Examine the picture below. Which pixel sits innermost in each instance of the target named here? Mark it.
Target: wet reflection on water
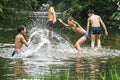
(87, 68)
(19, 69)
(33, 67)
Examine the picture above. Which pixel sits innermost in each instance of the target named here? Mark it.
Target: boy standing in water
(77, 28)
(95, 22)
(51, 18)
(20, 40)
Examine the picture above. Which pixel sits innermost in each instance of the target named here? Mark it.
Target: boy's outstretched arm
(76, 23)
(60, 20)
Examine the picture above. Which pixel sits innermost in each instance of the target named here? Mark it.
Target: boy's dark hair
(90, 11)
(50, 3)
(20, 28)
(70, 18)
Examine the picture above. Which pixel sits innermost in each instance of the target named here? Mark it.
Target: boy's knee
(97, 39)
(76, 44)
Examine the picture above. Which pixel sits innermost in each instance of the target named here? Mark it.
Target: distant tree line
(11, 12)
(109, 10)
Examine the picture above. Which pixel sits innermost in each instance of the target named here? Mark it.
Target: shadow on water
(43, 53)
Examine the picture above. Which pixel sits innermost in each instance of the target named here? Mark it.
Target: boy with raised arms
(75, 26)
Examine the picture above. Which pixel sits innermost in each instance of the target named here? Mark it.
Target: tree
(115, 18)
(78, 9)
(12, 11)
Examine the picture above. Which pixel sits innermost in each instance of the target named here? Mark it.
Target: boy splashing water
(19, 41)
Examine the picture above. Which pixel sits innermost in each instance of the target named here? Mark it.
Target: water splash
(43, 8)
(41, 44)
(43, 48)
(61, 48)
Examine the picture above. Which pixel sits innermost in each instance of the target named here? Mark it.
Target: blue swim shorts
(96, 30)
(86, 35)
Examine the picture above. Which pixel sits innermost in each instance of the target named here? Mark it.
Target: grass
(58, 75)
(111, 73)
(62, 76)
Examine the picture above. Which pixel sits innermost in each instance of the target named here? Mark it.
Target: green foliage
(78, 9)
(107, 9)
(15, 12)
(115, 18)
(1, 8)
(60, 6)
(62, 76)
(58, 75)
(111, 73)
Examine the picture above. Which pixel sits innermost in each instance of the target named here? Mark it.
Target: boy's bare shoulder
(89, 18)
(19, 36)
(97, 15)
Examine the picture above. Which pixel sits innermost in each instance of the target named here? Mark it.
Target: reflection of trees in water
(78, 65)
(4, 69)
(19, 69)
(87, 68)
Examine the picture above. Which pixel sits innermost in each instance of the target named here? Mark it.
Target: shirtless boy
(77, 28)
(20, 40)
(95, 22)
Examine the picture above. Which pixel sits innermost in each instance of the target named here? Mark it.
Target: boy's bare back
(94, 20)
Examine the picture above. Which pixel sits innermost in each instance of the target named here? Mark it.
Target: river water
(42, 54)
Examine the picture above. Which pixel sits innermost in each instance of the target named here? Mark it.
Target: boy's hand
(54, 22)
(30, 38)
(60, 20)
(106, 33)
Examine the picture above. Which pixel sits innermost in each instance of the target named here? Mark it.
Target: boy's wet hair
(50, 3)
(70, 18)
(90, 11)
(20, 28)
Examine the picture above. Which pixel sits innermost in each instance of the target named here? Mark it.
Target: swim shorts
(50, 26)
(15, 53)
(86, 35)
(96, 30)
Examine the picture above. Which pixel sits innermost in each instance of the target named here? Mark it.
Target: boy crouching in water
(19, 41)
(77, 28)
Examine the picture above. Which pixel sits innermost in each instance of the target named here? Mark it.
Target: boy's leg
(47, 33)
(92, 41)
(79, 43)
(50, 27)
(51, 32)
(98, 41)
(51, 36)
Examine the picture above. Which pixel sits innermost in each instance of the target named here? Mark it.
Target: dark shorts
(15, 53)
(96, 30)
(50, 26)
(86, 35)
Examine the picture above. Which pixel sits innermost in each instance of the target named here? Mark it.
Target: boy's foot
(81, 51)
